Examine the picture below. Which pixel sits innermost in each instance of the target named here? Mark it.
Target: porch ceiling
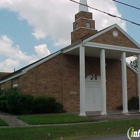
(111, 53)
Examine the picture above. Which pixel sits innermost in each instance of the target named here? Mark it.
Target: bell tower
(84, 25)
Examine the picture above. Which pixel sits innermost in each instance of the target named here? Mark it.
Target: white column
(124, 83)
(103, 81)
(139, 79)
(82, 80)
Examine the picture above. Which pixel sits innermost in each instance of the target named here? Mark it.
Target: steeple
(82, 7)
(84, 25)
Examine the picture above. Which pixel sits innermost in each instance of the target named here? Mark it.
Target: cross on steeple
(82, 7)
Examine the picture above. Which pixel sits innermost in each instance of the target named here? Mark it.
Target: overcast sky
(32, 29)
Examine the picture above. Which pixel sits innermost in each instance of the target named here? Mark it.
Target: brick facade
(59, 77)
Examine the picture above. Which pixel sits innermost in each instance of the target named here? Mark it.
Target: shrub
(59, 108)
(13, 90)
(19, 103)
(43, 104)
(3, 105)
(133, 103)
(51, 105)
(40, 105)
(3, 97)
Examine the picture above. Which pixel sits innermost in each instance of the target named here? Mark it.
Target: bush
(43, 104)
(59, 108)
(3, 97)
(3, 105)
(40, 105)
(133, 103)
(19, 103)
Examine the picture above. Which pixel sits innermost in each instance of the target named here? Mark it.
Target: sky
(33, 29)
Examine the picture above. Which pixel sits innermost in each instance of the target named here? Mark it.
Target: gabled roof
(28, 67)
(32, 65)
(108, 29)
(76, 44)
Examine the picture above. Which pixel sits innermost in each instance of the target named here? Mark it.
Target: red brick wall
(59, 77)
(114, 84)
(132, 83)
(71, 83)
(45, 79)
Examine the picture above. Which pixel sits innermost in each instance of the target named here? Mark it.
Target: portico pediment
(114, 35)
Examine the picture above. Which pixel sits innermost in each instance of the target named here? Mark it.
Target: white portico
(103, 51)
(104, 48)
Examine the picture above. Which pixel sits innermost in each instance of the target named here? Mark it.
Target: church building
(91, 74)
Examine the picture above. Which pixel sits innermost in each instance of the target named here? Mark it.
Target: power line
(107, 13)
(127, 4)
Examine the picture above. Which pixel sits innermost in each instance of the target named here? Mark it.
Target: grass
(69, 132)
(54, 119)
(3, 123)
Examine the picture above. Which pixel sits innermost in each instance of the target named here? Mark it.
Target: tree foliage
(134, 64)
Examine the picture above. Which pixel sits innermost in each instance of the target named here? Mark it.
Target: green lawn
(3, 123)
(69, 132)
(54, 119)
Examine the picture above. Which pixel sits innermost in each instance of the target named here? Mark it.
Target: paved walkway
(13, 121)
(118, 117)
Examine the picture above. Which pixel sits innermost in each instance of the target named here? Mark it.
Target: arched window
(76, 26)
(88, 25)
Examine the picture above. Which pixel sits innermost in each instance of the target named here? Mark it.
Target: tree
(134, 63)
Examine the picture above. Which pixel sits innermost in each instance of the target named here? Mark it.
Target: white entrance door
(93, 93)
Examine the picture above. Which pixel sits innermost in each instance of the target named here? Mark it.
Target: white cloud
(41, 50)
(39, 34)
(14, 57)
(8, 50)
(103, 20)
(51, 18)
(9, 65)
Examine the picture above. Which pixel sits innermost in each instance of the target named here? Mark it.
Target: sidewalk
(13, 121)
(116, 115)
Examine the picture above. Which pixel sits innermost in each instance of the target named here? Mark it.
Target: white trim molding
(84, 28)
(112, 47)
(42, 61)
(67, 49)
(83, 18)
(12, 77)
